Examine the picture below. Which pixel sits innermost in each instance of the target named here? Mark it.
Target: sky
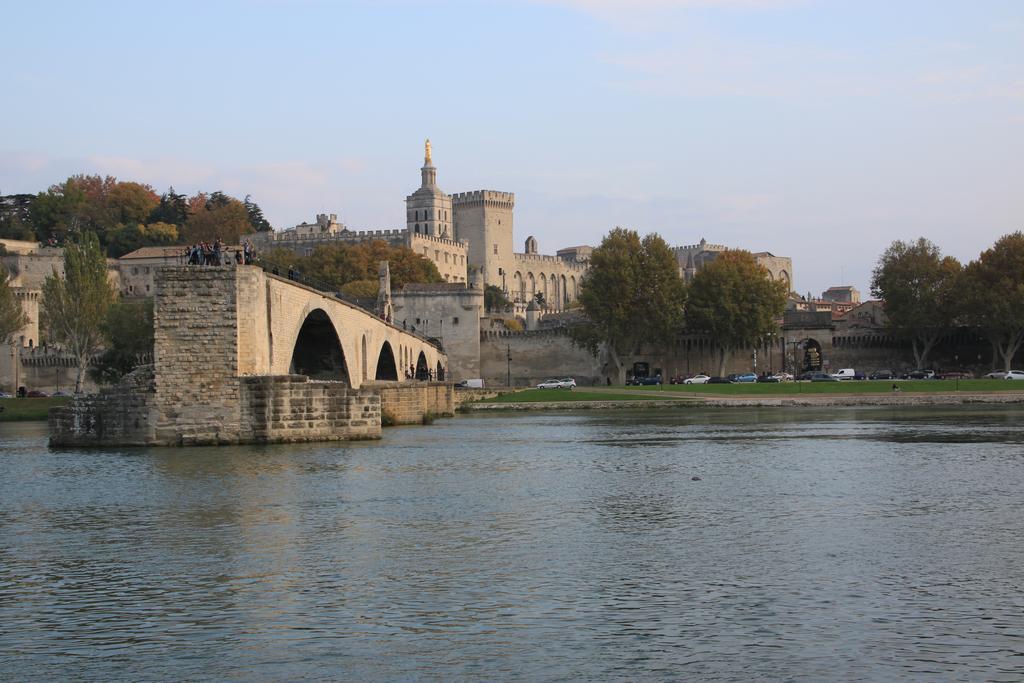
(821, 130)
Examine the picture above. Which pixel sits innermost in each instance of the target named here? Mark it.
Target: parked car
(569, 382)
(918, 374)
(955, 374)
(1014, 374)
(697, 379)
(4, 394)
(882, 374)
(998, 374)
(719, 380)
(782, 377)
(646, 381)
(747, 377)
(470, 384)
(821, 377)
(59, 394)
(845, 373)
(551, 384)
(36, 393)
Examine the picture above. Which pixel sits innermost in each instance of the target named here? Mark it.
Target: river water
(839, 544)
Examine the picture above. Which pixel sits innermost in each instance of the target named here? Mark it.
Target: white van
(845, 373)
(471, 384)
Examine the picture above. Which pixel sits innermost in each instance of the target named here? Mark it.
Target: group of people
(216, 254)
(427, 375)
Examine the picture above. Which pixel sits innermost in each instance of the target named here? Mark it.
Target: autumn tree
(213, 217)
(918, 285)
(734, 301)
(75, 306)
(632, 293)
(12, 317)
(992, 291)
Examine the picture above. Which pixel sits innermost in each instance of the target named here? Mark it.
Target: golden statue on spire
(427, 160)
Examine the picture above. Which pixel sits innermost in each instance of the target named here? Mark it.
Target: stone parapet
(491, 197)
(530, 259)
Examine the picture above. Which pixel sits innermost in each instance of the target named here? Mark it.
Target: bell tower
(428, 210)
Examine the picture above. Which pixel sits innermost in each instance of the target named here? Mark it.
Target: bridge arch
(318, 352)
(422, 369)
(386, 367)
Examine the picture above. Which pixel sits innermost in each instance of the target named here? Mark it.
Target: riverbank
(28, 409)
(565, 400)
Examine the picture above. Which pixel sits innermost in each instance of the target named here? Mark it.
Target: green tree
(127, 238)
(631, 294)
(992, 290)
(128, 331)
(735, 302)
(361, 289)
(75, 306)
(495, 299)
(12, 317)
(15, 221)
(918, 286)
(256, 218)
(172, 208)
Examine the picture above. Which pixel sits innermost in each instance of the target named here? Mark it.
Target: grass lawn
(910, 386)
(545, 395)
(21, 409)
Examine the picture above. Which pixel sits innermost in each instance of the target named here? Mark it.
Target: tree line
(352, 268)
(633, 293)
(928, 295)
(126, 215)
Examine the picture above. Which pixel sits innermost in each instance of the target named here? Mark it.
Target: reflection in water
(864, 544)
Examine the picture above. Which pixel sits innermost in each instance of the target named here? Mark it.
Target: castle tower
(484, 219)
(428, 210)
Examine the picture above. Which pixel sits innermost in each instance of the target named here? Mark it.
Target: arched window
(417, 227)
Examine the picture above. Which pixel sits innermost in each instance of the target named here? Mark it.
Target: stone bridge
(285, 327)
(243, 356)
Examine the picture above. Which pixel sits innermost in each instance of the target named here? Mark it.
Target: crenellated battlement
(447, 241)
(491, 197)
(545, 258)
(706, 246)
(348, 235)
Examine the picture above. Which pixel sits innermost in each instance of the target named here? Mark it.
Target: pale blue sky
(820, 130)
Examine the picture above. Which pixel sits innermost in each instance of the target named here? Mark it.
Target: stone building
(845, 294)
(461, 233)
(138, 269)
(449, 313)
(29, 264)
(693, 257)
